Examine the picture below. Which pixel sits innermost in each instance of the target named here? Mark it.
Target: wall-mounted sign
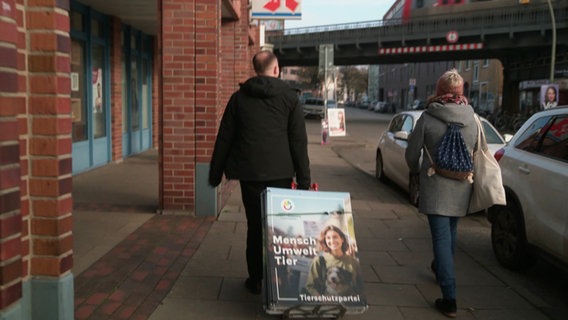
(276, 9)
(452, 36)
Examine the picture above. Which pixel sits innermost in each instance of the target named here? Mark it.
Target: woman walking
(442, 199)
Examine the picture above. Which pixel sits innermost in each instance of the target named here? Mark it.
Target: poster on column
(311, 255)
(336, 122)
(548, 96)
(97, 90)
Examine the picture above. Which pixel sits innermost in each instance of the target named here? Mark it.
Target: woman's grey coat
(439, 195)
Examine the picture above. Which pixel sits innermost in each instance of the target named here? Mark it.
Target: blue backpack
(454, 160)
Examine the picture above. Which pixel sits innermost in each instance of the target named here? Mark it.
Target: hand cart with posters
(311, 265)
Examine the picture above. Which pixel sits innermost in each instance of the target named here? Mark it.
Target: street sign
(276, 9)
(325, 57)
(452, 36)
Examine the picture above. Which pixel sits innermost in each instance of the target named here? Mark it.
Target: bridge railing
(479, 22)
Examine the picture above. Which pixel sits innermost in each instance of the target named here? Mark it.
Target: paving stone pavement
(185, 267)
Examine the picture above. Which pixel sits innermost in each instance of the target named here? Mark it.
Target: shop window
(77, 21)
(145, 93)
(97, 28)
(134, 95)
(97, 76)
(125, 118)
(78, 92)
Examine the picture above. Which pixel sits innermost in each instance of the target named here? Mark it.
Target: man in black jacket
(262, 142)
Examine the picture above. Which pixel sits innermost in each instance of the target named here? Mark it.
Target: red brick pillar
(116, 88)
(49, 145)
(12, 102)
(236, 68)
(190, 91)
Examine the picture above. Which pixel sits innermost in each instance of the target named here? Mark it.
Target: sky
(323, 12)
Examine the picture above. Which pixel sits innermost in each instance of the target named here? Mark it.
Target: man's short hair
(262, 61)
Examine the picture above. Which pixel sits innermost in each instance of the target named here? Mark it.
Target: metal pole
(325, 84)
(553, 55)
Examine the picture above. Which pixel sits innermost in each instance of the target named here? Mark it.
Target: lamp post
(553, 55)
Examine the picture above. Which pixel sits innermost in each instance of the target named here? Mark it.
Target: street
(543, 285)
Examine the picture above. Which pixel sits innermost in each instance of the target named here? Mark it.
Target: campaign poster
(336, 122)
(97, 90)
(548, 96)
(311, 250)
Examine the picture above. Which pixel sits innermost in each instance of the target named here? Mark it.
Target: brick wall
(236, 67)
(116, 88)
(12, 103)
(49, 138)
(177, 153)
(198, 75)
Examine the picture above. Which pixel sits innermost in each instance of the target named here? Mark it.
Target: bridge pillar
(510, 101)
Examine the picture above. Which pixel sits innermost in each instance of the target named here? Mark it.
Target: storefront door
(89, 89)
(137, 86)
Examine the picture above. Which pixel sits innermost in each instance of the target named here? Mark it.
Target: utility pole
(553, 55)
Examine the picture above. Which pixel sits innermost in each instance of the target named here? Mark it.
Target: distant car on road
(314, 107)
(534, 167)
(379, 106)
(417, 105)
(390, 163)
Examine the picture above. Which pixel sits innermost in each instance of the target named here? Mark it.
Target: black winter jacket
(262, 135)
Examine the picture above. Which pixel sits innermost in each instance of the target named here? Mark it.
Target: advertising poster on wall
(97, 90)
(311, 251)
(548, 96)
(336, 121)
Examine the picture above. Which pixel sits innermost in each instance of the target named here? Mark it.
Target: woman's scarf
(449, 98)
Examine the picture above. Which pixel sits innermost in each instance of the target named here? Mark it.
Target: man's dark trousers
(251, 193)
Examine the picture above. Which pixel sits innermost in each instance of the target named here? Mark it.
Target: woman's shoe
(447, 307)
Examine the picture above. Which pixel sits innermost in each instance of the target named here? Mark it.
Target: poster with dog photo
(311, 250)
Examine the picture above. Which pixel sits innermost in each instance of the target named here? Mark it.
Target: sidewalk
(181, 267)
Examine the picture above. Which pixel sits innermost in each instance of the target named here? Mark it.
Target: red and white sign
(276, 9)
(452, 36)
(438, 48)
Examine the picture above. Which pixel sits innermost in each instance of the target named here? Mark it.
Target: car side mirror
(401, 135)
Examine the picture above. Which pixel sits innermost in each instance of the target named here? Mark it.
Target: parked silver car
(534, 166)
(314, 107)
(390, 163)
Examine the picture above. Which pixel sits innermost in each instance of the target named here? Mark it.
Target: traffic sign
(325, 57)
(452, 36)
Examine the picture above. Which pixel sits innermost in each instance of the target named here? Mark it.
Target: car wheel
(508, 238)
(379, 173)
(414, 188)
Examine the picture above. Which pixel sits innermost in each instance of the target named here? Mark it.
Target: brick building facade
(54, 54)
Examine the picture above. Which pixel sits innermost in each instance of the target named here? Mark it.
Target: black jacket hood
(264, 87)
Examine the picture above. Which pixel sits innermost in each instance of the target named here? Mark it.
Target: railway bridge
(520, 36)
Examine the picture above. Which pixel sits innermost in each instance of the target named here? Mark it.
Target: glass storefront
(137, 106)
(90, 92)
(91, 89)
